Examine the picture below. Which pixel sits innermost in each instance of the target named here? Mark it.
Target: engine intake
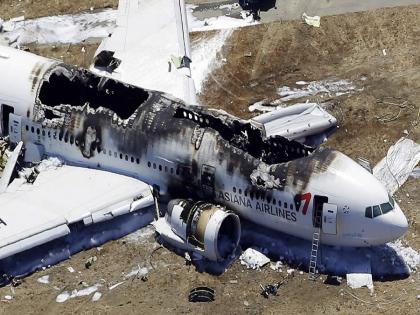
(211, 230)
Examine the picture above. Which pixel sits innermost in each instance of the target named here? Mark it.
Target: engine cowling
(210, 230)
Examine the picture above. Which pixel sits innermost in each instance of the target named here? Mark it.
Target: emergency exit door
(329, 218)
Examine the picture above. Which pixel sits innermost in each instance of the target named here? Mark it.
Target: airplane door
(207, 180)
(6, 110)
(329, 218)
(15, 124)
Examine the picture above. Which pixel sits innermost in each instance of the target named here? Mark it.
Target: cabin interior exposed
(245, 136)
(76, 87)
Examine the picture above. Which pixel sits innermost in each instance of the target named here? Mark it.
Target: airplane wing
(149, 48)
(307, 123)
(50, 202)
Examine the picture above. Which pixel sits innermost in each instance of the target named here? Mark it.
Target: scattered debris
(71, 269)
(64, 296)
(112, 287)
(246, 303)
(201, 294)
(90, 261)
(44, 279)
(328, 87)
(359, 280)
(270, 289)
(291, 272)
(138, 272)
(394, 169)
(8, 297)
(314, 21)
(253, 259)
(233, 281)
(276, 266)
(96, 296)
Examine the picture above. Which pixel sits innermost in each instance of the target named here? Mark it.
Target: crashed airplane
(209, 167)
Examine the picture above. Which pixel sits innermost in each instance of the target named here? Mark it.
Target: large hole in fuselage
(76, 87)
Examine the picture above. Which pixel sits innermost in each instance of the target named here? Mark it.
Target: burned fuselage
(188, 152)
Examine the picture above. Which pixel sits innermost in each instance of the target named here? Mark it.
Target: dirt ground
(259, 60)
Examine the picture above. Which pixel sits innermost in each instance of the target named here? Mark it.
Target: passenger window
(274, 201)
(245, 193)
(126, 157)
(279, 203)
(154, 165)
(251, 195)
(268, 199)
(386, 207)
(160, 167)
(37, 131)
(291, 206)
(368, 212)
(172, 170)
(149, 164)
(138, 161)
(121, 156)
(285, 204)
(132, 160)
(27, 128)
(376, 211)
(72, 141)
(43, 132)
(115, 154)
(166, 169)
(240, 191)
(234, 189)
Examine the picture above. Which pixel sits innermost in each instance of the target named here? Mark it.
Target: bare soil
(345, 47)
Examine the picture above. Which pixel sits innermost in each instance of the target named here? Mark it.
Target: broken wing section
(306, 123)
(53, 201)
(150, 48)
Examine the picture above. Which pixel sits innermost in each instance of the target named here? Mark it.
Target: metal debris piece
(270, 289)
(90, 261)
(201, 294)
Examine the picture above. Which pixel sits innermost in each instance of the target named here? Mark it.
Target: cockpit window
(376, 211)
(368, 213)
(386, 207)
(391, 201)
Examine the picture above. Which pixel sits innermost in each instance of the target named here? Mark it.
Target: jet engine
(202, 227)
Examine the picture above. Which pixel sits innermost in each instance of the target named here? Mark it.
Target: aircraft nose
(396, 222)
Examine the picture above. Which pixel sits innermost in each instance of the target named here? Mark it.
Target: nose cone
(396, 223)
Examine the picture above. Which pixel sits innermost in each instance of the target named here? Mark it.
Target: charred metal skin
(193, 152)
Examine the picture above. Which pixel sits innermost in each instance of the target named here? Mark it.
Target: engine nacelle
(210, 230)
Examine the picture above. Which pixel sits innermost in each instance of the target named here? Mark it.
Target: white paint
(253, 259)
(394, 169)
(70, 269)
(44, 279)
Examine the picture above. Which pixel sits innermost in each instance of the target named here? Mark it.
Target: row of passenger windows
(67, 137)
(375, 211)
(262, 196)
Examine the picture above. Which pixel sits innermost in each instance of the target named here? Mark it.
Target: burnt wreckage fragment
(243, 135)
